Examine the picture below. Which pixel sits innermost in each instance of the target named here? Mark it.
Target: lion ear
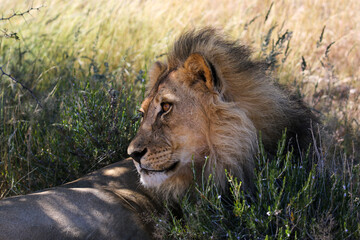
(197, 65)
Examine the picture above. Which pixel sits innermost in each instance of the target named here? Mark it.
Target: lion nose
(137, 155)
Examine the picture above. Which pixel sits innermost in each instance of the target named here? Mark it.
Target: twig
(2, 73)
(21, 13)
(17, 182)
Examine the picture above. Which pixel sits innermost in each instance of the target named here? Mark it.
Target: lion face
(172, 133)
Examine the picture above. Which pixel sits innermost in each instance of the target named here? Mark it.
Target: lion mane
(249, 103)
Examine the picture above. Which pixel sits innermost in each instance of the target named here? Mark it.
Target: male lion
(207, 101)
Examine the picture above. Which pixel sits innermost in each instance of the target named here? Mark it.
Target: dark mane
(244, 80)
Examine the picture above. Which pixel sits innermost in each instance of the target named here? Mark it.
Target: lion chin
(151, 178)
(170, 179)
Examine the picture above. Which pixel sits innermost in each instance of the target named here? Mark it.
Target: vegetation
(294, 199)
(72, 76)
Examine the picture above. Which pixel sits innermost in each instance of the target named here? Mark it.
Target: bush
(77, 119)
(74, 133)
(294, 199)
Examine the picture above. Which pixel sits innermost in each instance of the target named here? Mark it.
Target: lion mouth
(169, 169)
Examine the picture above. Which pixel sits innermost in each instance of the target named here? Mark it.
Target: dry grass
(145, 27)
(143, 30)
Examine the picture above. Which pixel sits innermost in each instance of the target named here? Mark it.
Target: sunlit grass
(146, 27)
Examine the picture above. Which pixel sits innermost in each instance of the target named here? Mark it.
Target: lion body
(106, 204)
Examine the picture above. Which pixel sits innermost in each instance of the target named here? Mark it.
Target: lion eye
(165, 107)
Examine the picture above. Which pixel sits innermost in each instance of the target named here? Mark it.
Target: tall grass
(74, 73)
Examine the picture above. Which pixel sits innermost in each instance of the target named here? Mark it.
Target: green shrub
(294, 199)
(85, 121)
(97, 124)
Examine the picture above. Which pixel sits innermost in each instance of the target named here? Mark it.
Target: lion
(206, 106)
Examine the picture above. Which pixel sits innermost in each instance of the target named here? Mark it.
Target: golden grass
(142, 30)
(146, 27)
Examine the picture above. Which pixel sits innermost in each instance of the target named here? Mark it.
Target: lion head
(208, 103)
